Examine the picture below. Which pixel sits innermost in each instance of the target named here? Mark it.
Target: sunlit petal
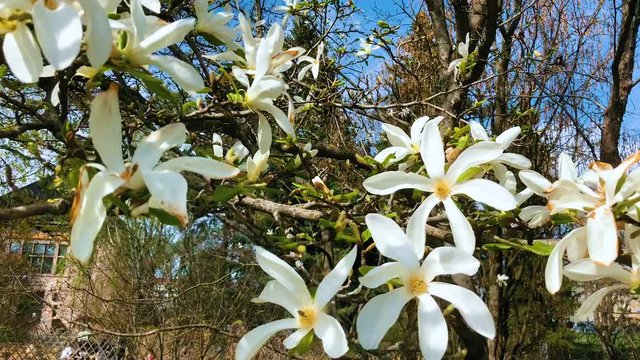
(59, 33)
(22, 54)
(416, 225)
(463, 235)
(105, 127)
(283, 273)
(474, 312)
(487, 192)
(390, 240)
(378, 316)
(332, 282)
(391, 181)
(432, 328)
(329, 330)
(168, 191)
(251, 343)
(449, 260)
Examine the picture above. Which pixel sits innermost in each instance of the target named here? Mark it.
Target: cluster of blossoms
(598, 200)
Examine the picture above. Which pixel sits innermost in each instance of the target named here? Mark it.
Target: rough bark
(622, 82)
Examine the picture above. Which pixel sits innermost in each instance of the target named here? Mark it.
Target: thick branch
(55, 207)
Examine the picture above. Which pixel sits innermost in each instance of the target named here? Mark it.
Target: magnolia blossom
(314, 64)
(288, 290)
(236, 153)
(264, 89)
(148, 34)
(366, 48)
(587, 270)
(574, 244)
(463, 50)
(258, 163)
(443, 185)
(401, 144)
(598, 203)
(502, 280)
(537, 215)
(214, 23)
(505, 139)
(273, 56)
(167, 187)
(381, 312)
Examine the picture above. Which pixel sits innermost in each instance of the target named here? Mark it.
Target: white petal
(218, 151)
(588, 270)
(329, 330)
(398, 153)
(535, 215)
(566, 194)
(382, 274)
(210, 168)
(632, 240)
(478, 132)
(55, 95)
(168, 191)
(281, 118)
(389, 182)
(59, 33)
(184, 74)
(378, 316)
(487, 192)
(553, 269)
(431, 149)
(474, 155)
(534, 181)
(283, 273)
(523, 196)
(416, 129)
(153, 5)
(416, 224)
(251, 343)
(303, 71)
(98, 36)
(332, 282)
(265, 137)
(91, 214)
(515, 160)
(167, 35)
(449, 260)
(294, 339)
(578, 250)
(275, 293)
(602, 235)
(463, 235)
(588, 307)
(390, 240)
(432, 328)
(241, 76)
(396, 136)
(566, 168)
(506, 138)
(151, 148)
(22, 54)
(473, 310)
(105, 128)
(614, 176)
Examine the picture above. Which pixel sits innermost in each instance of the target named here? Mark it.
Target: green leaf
(496, 246)
(540, 248)
(366, 235)
(561, 218)
(304, 345)
(225, 193)
(3, 70)
(363, 270)
(164, 217)
(153, 84)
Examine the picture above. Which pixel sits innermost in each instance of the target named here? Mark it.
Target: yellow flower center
(417, 285)
(306, 318)
(442, 189)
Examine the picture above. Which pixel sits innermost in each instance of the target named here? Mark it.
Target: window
(44, 257)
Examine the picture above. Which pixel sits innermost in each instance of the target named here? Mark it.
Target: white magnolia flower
(602, 234)
(263, 90)
(587, 270)
(289, 290)
(214, 23)
(575, 245)
(381, 312)
(314, 64)
(366, 48)
(258, 163)
(538, 215)
(148, 34)
(401, 144)
(236, 153)
(463, 50)
(273, 56)
(167, 187)
(505, 139)
(443, 185)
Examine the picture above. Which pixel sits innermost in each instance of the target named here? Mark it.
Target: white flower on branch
(289, 290)
(148, 34)
(381, 312)
(444, 185)
(215, 23)
(167, 187)
(401, 143)
(366, 47)
(314, 64)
